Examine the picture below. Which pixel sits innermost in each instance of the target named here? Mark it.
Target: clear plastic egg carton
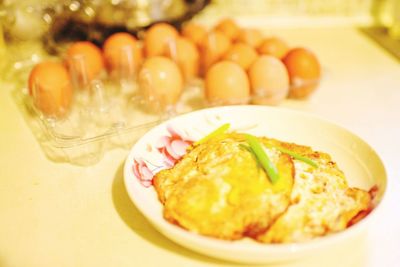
(110, 113)
(99, 121)
(117, 97)
(104, 114)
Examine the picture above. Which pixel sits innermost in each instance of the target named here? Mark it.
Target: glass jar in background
(25, 20)
(23, 25)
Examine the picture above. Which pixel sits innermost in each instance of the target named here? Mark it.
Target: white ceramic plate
(360, 163)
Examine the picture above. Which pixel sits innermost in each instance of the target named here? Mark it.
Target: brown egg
(85, 62)
(157, 37)
(213, 48)
(161, 82)
(194, 32)
(122, 54)
(269, 80)
(273, 46)
(229, 28)
(241, 53)
(226, 83)
(304, 72)
(50, 87)
(252, 37)
(186, 55)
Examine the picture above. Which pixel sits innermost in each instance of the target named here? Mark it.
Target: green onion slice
(296, 156)
(220, 130)
(263, 158)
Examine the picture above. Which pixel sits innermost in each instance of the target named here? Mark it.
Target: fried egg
(321, 201)
(219, 189)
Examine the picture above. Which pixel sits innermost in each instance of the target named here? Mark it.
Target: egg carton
(114, 104)
(107, 116)
(108, 113)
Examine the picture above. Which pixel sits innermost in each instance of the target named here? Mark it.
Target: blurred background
(32, 31)
(27, 19)
(53, 21)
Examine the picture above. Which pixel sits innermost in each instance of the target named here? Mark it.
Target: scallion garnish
(220, 130)
(262, 157)
(296, 156)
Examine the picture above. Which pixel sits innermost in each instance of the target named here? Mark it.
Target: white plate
(361, 165)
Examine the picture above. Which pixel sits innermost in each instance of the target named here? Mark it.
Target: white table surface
(58, 214)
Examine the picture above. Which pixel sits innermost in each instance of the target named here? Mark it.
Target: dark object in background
(96, 20)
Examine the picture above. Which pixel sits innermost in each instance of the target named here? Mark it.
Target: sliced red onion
(163, 141)
(135, 169)
(147, 183)
(168, 160)
(172, 131)
(171, 151)
(146, 173)
(179, 147)
(141, 161)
